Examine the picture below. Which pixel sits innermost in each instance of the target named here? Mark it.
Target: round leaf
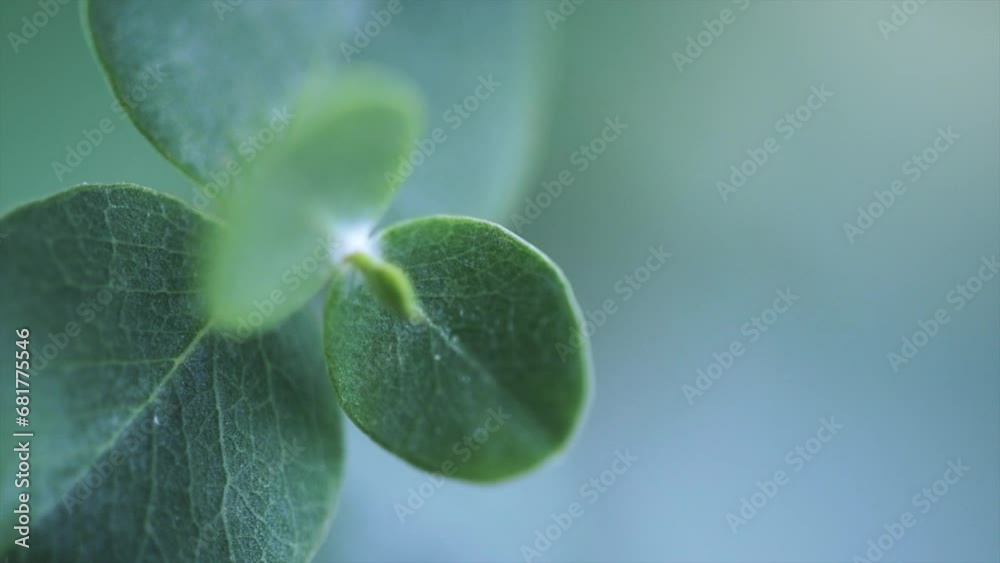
(222, 69)
(156, 437)
(494, 376)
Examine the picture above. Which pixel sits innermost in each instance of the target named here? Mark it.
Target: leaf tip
(389, 284)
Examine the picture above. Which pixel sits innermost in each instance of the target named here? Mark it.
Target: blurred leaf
(485, 67)
(320, 190)
(156, 437)
(491, 381)
(221, 69)
(505, 52)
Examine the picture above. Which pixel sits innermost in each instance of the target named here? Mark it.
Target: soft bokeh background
(656, 185)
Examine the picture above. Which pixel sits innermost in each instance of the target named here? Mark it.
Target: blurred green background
(656, 185)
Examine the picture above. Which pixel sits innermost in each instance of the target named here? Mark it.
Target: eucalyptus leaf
(228, 67)
(494, 376)
(310, 198)
(155, 436)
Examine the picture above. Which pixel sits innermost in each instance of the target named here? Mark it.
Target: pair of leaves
(160, 438)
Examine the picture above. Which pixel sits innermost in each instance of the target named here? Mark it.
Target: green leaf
(314, 196)
(494, 377)
(203, 79)
(155, 436)
(504, 51)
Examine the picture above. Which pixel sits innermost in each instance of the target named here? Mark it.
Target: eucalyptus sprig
(183, 382)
